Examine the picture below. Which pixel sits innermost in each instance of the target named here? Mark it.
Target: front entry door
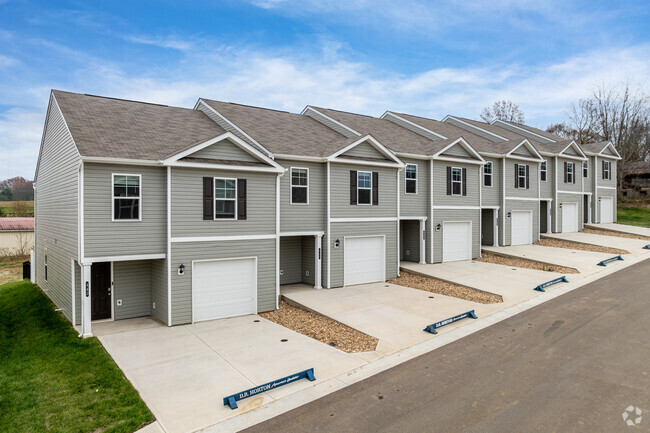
(100, 283)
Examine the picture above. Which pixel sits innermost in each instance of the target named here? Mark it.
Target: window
(411, 173)
(521, 175)
(456, 181)
(606, 170)
(569, 173)
(225, 198)
(542, 171)
(299, 185)
(45, 262)
(487, 174)
(126, 197)
(585, 169)
(364, 187)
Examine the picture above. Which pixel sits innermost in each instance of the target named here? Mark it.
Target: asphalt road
(574, 363)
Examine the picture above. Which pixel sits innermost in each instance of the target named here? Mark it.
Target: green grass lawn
(636, 216)
(53, 381)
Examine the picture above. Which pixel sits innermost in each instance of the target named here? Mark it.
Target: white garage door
(569, 217)
(224, 288)
(606, 210)
(365, 260)
(521, 227)
(456, 241)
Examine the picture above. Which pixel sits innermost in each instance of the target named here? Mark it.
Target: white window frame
(488, 174)
(607, 170)
(585, 168)
(457, 181)
(406, 179)
(570, 172)
(214, 199)
(113, 198)
(520, 177)
(543, 168)
(359, 188)
(292, 186)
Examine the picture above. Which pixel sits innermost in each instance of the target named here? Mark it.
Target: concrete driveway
(624, 228)
(634, 246)
(183, 372)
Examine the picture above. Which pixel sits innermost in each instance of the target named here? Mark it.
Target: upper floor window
(569, 173)
(487, 174)
(364, 187)
(542, 171)
(585, 168)
(456, 181)
(411, 173)
(521, 176)
(299, 185)
(607, 172)
(225, 198)
(126, 197)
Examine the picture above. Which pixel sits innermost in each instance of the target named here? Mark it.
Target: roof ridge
(346, 112)
(250, 106)
(115, 99)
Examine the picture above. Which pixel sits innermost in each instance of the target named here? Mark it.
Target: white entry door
(224, 288)
(521, 227)
(569, 217)
(364, 260)
(456, 241)
(606, 210)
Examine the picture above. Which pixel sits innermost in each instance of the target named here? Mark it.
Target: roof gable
(461, 151)
(609, 150)
(364, 150)
(457, 151)
(384, 155)
(572, 150)
(525, 150)
(224, 150)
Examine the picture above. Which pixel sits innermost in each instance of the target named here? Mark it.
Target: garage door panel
(456, 241)
(224, 288)
(606, 210)
(521, 227)
(364, 260)
(569, 217)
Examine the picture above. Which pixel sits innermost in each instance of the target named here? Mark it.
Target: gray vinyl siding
(413, 128)
(523, 151)
(487, 227)
(522, 205)
(577, 186)
(340, 192)
(364, 150)
(330, 124)
(290, 260)
(589, 180)
(225, 149)
(186, 252)
(56, 209)
(309, 260)
(571, 151)
(547, 188)
(341, 230)
(410, 240)
(473, 130)
(104, 237)
(300, 217)
(132, 285)
(491, 195)
(570, 198)
(612, 182)
(159, 301)
(442, 215)
(533, 183)
(187, 204)
(415, 205)
(440, 196)
(457, 150)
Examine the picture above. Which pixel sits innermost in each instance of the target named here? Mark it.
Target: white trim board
(360, 220)
(455, 207)
(222, 238)
(522, 198)
(90, 260)
(307, 233)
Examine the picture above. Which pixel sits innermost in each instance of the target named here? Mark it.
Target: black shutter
(527, 177)
(448, 180)
(375, 188)
(241, 199)
(208, 198)
(464, 181)
(566, 172)
(574, 170)
(516, 175)
(353, 187)
(603, 171)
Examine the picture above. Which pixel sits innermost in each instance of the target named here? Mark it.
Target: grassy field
(636, 216)
(53, 381)
(7, 208)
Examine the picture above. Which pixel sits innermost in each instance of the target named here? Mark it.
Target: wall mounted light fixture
(509, 214)
(337, 243)
(438, 227)
(181, 269)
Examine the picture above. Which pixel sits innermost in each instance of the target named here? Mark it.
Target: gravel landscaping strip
(519, 262)
(321, 328)
(561, 243)
(617, 234)
(434, 285)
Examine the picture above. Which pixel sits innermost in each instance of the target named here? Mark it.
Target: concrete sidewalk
(623, 228)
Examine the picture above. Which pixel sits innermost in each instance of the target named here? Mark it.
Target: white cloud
(20, 139)
(169, 42)
(6, 61)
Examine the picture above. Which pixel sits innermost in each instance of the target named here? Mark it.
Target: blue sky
(423, 57)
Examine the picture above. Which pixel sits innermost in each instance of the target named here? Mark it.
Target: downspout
(398, 220)
(169, 248)
(431, 229)
(329, 227)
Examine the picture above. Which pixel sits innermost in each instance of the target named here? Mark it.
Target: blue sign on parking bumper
(232, 400)
(541, 287)
(432, 328)
(604, 262)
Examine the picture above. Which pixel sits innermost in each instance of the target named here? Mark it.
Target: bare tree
(23, 243)
(503, 110)
(20, 209)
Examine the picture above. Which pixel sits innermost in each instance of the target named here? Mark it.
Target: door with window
(100, 297)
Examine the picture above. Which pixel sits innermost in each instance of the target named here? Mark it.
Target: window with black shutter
(364, 187)
(353, 187)
(241, 199)
(456, 181)
(375, 188)
(208, 198)
(225, 198)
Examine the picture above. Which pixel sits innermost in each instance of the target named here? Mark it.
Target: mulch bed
(444, 288)
(321, 328)
(524, 263)
(561, 243)
(616, 234)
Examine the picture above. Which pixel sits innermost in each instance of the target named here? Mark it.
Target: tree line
(16, 189)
